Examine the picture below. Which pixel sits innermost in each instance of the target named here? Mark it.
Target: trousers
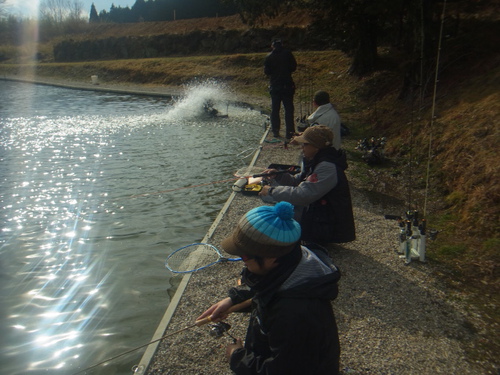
(287, 99)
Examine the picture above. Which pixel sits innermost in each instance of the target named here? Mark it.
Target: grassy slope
(463, 194)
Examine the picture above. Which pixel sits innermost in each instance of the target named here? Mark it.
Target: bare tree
(60, 17)
(58, 11)
(75, 10)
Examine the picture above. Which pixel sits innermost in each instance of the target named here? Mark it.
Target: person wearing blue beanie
(292, 328)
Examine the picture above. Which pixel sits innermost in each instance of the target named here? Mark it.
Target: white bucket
(95, 80)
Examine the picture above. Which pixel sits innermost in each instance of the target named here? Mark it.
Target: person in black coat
(292, 328)
(279, 66)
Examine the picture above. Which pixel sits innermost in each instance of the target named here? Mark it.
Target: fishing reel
(218, 330)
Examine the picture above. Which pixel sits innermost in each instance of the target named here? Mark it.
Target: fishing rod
(301, 94)
(248, 152)
(268, 174)
(248, 175)
(183, 187)
(413, 230)
(304, 93)
(264, 174)
(264, 124)
(433, 110)
(241, 306)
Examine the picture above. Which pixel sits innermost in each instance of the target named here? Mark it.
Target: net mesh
(191, 258)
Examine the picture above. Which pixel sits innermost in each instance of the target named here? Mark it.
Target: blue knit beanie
(266, 231)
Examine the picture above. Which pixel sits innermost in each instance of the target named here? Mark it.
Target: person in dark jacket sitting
(320, 193)
(292, 328)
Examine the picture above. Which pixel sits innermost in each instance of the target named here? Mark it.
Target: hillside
(446, 165)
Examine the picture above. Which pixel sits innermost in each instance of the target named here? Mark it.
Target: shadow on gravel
(389, 313)
(370, 289)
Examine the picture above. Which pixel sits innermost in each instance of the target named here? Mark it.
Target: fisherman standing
(292, 328)
(279, 66)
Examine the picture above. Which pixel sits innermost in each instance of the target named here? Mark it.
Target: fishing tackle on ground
(372, 149)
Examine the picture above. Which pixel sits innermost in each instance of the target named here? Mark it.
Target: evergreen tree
(164, 10)
(140, 11)
(104, 16)
(94, 18)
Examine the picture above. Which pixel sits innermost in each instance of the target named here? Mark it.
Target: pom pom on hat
(267, 231)
(284, 210)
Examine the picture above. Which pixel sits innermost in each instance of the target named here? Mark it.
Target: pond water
(96, 190)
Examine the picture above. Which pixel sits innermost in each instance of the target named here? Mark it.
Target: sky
(28, 8)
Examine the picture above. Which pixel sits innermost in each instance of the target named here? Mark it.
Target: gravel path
(393, 318)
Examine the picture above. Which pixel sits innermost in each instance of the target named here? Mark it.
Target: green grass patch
(451, 251)
(491, 249)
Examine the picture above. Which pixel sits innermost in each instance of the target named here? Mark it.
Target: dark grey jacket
(292, 329)
(279, 66)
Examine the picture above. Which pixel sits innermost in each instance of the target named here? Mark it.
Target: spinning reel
(218, 330)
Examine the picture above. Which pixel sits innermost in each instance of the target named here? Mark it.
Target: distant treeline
(162, 10)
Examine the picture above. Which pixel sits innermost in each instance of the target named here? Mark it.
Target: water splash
(199, 101)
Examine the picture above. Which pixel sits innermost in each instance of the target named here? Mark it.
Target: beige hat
(320, 136)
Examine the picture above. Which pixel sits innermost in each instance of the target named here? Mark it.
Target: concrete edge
(95, 87)
(148, 355)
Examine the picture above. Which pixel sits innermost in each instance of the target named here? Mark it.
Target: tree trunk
(365, 55)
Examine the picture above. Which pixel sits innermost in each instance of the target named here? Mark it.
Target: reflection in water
(82, 246)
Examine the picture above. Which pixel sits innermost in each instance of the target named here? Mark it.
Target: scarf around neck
(263, 284)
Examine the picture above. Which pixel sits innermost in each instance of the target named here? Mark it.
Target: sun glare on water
(28, 33)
